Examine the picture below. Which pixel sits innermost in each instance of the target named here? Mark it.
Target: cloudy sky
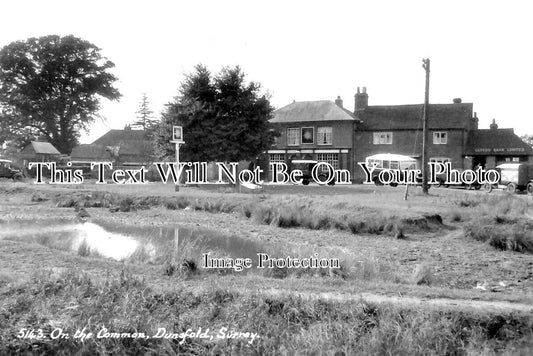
(480, 51)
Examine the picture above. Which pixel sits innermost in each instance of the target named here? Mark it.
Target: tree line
(52, 87)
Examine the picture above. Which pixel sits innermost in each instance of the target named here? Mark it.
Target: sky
(480, 51)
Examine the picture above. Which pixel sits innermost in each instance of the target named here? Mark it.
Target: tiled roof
(129, 143)
(496, 141)
(43, 148)
(95, 151)
(89, 152)
(322, 110)
(398, 117)
(113, 137)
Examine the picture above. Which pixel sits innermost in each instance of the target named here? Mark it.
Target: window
(276, 158)
(440, 159)
(331, 158)
(440, 138)
(512, 159)
(308, 135)
(293, 137)
(382, 138)
(323, 136)
(275, 141)
(375, 163)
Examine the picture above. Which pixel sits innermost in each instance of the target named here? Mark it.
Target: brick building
(343, 138)
(494, 146)
(319, 130)
(398, 129)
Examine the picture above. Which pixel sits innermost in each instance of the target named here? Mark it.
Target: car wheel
(529, 188)
(377, 181)
(477, 186)
(511, 188)
(322, 178)
(487, 187)
(305, 182)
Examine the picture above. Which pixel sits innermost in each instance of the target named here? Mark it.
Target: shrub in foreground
(503, 233)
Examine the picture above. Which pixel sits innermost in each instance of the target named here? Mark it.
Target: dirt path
(436, 303)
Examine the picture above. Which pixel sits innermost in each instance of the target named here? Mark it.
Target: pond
(130, 243)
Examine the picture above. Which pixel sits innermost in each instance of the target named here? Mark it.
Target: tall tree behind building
(224, 118)
(528, 139)
(145, 118)
(51, 86)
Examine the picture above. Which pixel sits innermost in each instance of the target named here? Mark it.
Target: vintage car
(306, 166)
(7, 170)
(513, 177)
(441, 179)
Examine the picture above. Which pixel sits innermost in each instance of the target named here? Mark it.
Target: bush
(503, 234)
(423, 274)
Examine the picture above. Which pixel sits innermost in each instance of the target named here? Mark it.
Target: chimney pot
(457, 100)
(364, 90)
(494, 125)
(338, 101)
(358, 92)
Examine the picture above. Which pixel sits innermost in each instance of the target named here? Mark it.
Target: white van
(383, 161)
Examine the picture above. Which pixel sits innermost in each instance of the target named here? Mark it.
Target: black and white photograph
(266, 178)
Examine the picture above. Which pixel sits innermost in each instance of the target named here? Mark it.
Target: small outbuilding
(39, 151)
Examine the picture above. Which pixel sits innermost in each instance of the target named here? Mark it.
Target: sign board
(500, 150)
(177, 133)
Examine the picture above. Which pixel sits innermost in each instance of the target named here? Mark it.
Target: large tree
(51, 87)
(224, 118)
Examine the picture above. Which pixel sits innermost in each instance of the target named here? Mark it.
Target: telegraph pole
(425, 65)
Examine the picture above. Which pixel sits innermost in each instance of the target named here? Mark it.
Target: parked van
(383, 161)
(513, 177)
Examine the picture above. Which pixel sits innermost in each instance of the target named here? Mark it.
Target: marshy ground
(448, 273)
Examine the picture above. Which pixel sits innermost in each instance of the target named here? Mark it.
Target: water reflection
(103, 242)
(120, 242)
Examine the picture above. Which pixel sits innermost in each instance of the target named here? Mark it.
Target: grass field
(448, 273)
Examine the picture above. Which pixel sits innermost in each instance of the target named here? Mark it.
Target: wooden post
(176, 245)
(426, 66)
(177, 186)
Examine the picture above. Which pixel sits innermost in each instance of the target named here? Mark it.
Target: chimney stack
(494, 125)
(457, 100)
(474, 122)
(361, 101)
(338, 101)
